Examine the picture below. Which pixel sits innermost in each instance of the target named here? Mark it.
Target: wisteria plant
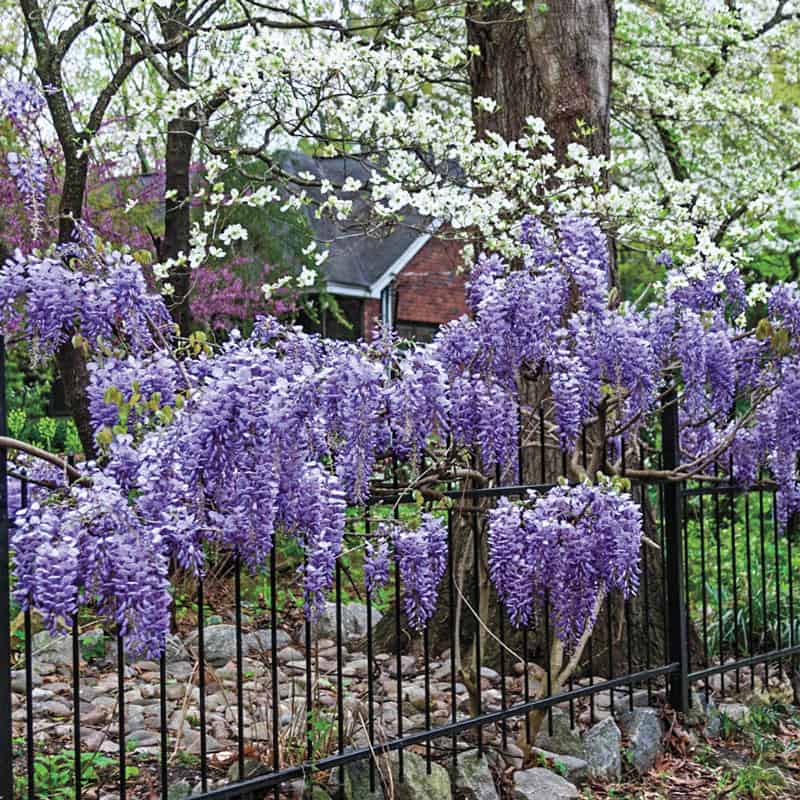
(277, 432)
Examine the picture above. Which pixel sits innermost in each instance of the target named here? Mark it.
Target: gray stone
(417, 697)
(356, 782)
(408, 665)
(93, 715)
(143, 738)
(698, 708)
(541, 784)
(354, 622)
(602, 747)
(92, 739)
(416, 785)
(575, 770)
(261, 641)
(736, 712)
(179, 790)
(473, 778)
(52, 649)
(55, 708)
(219, 643)
(565, 740)
(212, 745)
(713, 726)
(288, 654)
(180, 670)
(176, 649)
(252, 769)
(641, 699)
(642, 726)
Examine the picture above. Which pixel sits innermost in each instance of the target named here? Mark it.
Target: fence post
(6, 771)
(677, 634)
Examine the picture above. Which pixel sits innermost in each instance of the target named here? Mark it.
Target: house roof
(363, 256)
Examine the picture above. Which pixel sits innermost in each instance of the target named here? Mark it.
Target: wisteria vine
(277, 432)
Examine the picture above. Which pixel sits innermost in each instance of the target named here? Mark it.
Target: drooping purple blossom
(564, 549)
(376, 564)
(30, 175)
(92, 548)
(21, 101)
(280, 430)
(422, 559)
(108, 302)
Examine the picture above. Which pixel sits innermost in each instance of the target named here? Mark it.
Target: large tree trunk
(70, 361)
(181, 132)
(552, 62)
(177, 213)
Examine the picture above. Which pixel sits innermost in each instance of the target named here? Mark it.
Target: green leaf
(763, 329)
(113, 396)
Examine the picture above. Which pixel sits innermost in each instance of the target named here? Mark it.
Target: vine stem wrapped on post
(558, 677)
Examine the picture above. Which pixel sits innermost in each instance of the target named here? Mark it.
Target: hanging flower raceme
(564, 550)
(89, 550)
(421, 557)
(108, 304)
(133, 390)
(274, 434)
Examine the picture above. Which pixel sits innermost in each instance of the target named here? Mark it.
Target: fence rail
(304, 702)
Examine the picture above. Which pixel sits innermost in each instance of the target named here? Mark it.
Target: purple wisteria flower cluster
(421, 557)
(30, 175)
(107, 301)
(21, 101)
(563, 551)
(92, 550)
(154, 380)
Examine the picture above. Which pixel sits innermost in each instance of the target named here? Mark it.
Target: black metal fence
(256, 702)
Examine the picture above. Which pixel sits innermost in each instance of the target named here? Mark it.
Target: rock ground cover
(610, 744)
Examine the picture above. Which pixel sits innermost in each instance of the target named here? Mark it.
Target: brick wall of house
(431, 289)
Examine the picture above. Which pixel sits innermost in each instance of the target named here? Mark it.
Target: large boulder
(260, 641)
(602, 747)
(219, 644)
(541, 784)
(417, 784)
(354, 622)
(564, 739)
(51, 649)
(357, 780)
(473, 778)
(642, 726)
(575, 770)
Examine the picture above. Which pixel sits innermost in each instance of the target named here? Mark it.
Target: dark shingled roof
(360, 251)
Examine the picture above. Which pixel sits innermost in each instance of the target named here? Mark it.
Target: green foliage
(748, 567)
(752, 781)
(54, 774)
(29, 388)
(274, 237)
(93, 646)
